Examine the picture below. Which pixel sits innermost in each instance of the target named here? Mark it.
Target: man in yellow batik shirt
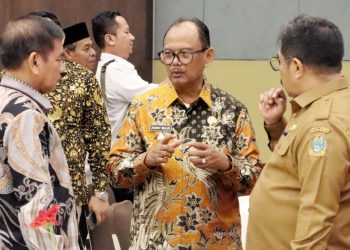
(189, 149)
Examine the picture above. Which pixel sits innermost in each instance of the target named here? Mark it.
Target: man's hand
(272, 105)
(99, 207)
(205, 156)
(162, 152)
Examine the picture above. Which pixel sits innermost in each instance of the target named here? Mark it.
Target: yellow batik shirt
(179, 206)
(80, 118)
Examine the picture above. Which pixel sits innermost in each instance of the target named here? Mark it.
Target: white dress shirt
(123, 84)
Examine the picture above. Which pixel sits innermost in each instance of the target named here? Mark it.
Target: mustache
(176, 70)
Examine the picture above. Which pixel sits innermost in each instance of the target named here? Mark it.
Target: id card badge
(162, 129)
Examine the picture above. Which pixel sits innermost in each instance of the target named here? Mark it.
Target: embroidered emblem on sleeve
(318, 146)
(320, 129)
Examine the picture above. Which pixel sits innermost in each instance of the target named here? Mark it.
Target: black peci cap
(75, 33)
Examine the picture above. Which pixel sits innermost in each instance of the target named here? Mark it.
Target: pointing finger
(166, 139)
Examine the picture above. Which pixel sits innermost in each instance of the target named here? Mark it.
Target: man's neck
(330, 77)
(316, 80)
(21, 76)
(110, 51)
(190, 92)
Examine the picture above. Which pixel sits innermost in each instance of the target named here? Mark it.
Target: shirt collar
(312, 95)
(13, 83)
(172, 95)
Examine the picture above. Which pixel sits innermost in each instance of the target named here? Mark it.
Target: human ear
(209, 56)
(109, 39)
(33, 63)
(298, 67)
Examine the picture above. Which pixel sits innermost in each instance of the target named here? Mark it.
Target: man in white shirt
(122, 82)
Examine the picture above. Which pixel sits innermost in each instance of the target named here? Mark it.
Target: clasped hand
(201, 155)
(205, 156)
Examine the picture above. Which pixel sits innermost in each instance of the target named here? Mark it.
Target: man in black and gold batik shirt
(79, 114)
(80, 118)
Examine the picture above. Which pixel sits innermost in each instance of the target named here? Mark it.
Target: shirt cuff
(141, 166)
(275, 131)
(232, 166)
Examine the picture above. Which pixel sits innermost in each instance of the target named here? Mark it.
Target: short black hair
(47, 14)
(202, 29)
(315, 41)
(102, 24)
(25, 35)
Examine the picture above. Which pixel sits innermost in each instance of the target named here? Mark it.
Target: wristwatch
(102, 195)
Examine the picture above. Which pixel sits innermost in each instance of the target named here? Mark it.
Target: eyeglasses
(185, 57)
(275, 63)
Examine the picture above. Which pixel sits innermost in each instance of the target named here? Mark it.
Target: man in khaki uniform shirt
(302, 198)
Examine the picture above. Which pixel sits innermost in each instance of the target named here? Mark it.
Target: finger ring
(203, 160)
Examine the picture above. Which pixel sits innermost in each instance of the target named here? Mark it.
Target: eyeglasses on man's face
(184, 57)
(275, 63)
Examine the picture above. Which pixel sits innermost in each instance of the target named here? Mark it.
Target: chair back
(118, 223)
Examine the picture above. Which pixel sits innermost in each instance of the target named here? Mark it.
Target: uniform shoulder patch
(318, 146)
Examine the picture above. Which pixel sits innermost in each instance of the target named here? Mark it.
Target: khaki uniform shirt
(302, 198)
(177, 205)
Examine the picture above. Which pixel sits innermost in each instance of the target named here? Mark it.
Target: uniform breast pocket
(279, 163)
